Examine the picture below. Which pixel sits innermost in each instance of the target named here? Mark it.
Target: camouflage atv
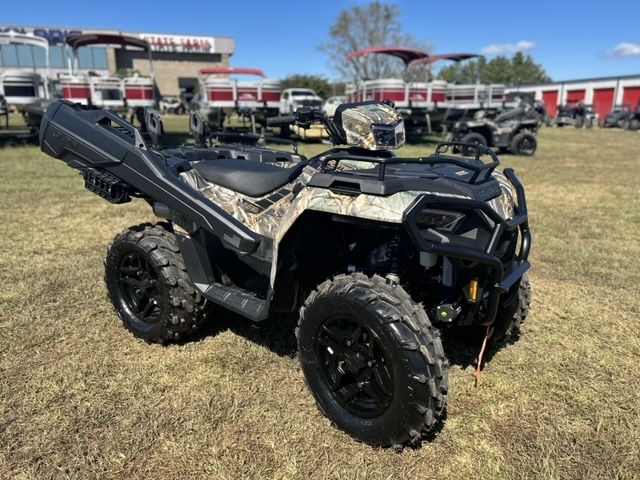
(513, 130)
(376, 252)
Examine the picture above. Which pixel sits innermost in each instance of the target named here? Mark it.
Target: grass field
(81, 398)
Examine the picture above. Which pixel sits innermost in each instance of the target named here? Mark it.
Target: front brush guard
(505, 276)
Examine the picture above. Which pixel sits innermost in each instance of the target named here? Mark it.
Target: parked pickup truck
(293, 98)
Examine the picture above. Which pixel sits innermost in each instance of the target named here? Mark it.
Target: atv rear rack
(481, 171)
(247, 138)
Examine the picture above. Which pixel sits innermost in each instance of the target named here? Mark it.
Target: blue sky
(571, 39)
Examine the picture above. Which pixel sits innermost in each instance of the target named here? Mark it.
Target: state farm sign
(179, 43)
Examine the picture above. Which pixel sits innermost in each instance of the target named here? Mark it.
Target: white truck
(332, 103)
(293, 98)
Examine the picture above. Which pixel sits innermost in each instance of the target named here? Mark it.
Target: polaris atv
(376, 252)
(620, 117)
(578, 114)
(632, 122)
(513, 130)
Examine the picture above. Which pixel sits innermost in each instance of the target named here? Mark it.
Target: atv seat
(254, 179)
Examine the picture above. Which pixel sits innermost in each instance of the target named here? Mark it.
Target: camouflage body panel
(357, 123)
(274, 214)
(504, 204)
(262, 215)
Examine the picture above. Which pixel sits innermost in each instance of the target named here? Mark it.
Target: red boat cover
(231, 71)
(78, 40)
(405, 54)
(455, 57)
(410, 57)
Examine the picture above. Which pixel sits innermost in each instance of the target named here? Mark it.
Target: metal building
(176, 58)
(602, 93)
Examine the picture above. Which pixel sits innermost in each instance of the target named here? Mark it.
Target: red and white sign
(179, 43)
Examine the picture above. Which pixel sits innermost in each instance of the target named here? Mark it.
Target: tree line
(379, 24)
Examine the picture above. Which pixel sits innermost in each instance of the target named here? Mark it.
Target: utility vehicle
(374, 251)
(513, 130)
(577, 114)
(618, 118)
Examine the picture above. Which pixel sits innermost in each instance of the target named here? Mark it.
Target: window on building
(9, 56)
(57, 56)
(39, 57)
(85, 60)
(26, 56)
(93, 58)
(100, 60)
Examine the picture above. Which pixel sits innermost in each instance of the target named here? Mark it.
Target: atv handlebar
(305, 117)
(281, 120)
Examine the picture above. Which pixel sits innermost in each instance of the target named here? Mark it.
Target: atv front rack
(481, 171)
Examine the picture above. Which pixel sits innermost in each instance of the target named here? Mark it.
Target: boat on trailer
(104, 91)
(426, 105)
(221, 95)
(21, 88)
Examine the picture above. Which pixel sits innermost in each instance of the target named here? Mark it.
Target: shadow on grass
(277, 333)
(461, 345)
(10, 139)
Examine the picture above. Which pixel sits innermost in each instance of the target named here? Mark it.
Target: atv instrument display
(376, 252)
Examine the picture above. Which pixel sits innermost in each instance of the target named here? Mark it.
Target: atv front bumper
(504, 274)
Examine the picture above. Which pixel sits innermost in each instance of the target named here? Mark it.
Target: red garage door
(631, 96)
(603, 101)
(574, 96)
(550, 99)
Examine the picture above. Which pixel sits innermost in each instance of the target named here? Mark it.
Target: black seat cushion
(254, 179)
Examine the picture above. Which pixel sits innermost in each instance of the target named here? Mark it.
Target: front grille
(310, 103)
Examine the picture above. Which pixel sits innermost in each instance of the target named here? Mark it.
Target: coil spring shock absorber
(393, 277)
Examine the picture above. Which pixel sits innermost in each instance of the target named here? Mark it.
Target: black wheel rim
(526, 146)
(355, 366)
(139, 286)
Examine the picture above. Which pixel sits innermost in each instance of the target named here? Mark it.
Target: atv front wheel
(472, 137)
(372, 360)
(524, 144)
(148, 285)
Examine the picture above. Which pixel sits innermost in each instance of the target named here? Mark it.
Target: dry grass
(81, 398)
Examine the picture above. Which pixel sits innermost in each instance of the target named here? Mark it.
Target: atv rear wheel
(510, 318)
(372, 360)
(148, 285)
(524, 143)
(472, 137)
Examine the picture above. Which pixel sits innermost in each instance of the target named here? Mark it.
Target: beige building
(176, 58)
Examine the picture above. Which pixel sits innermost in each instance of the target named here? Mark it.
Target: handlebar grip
(281, 120)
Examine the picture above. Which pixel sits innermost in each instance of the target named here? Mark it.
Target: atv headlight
(371, 125)
(429, 218)
(389, 136)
